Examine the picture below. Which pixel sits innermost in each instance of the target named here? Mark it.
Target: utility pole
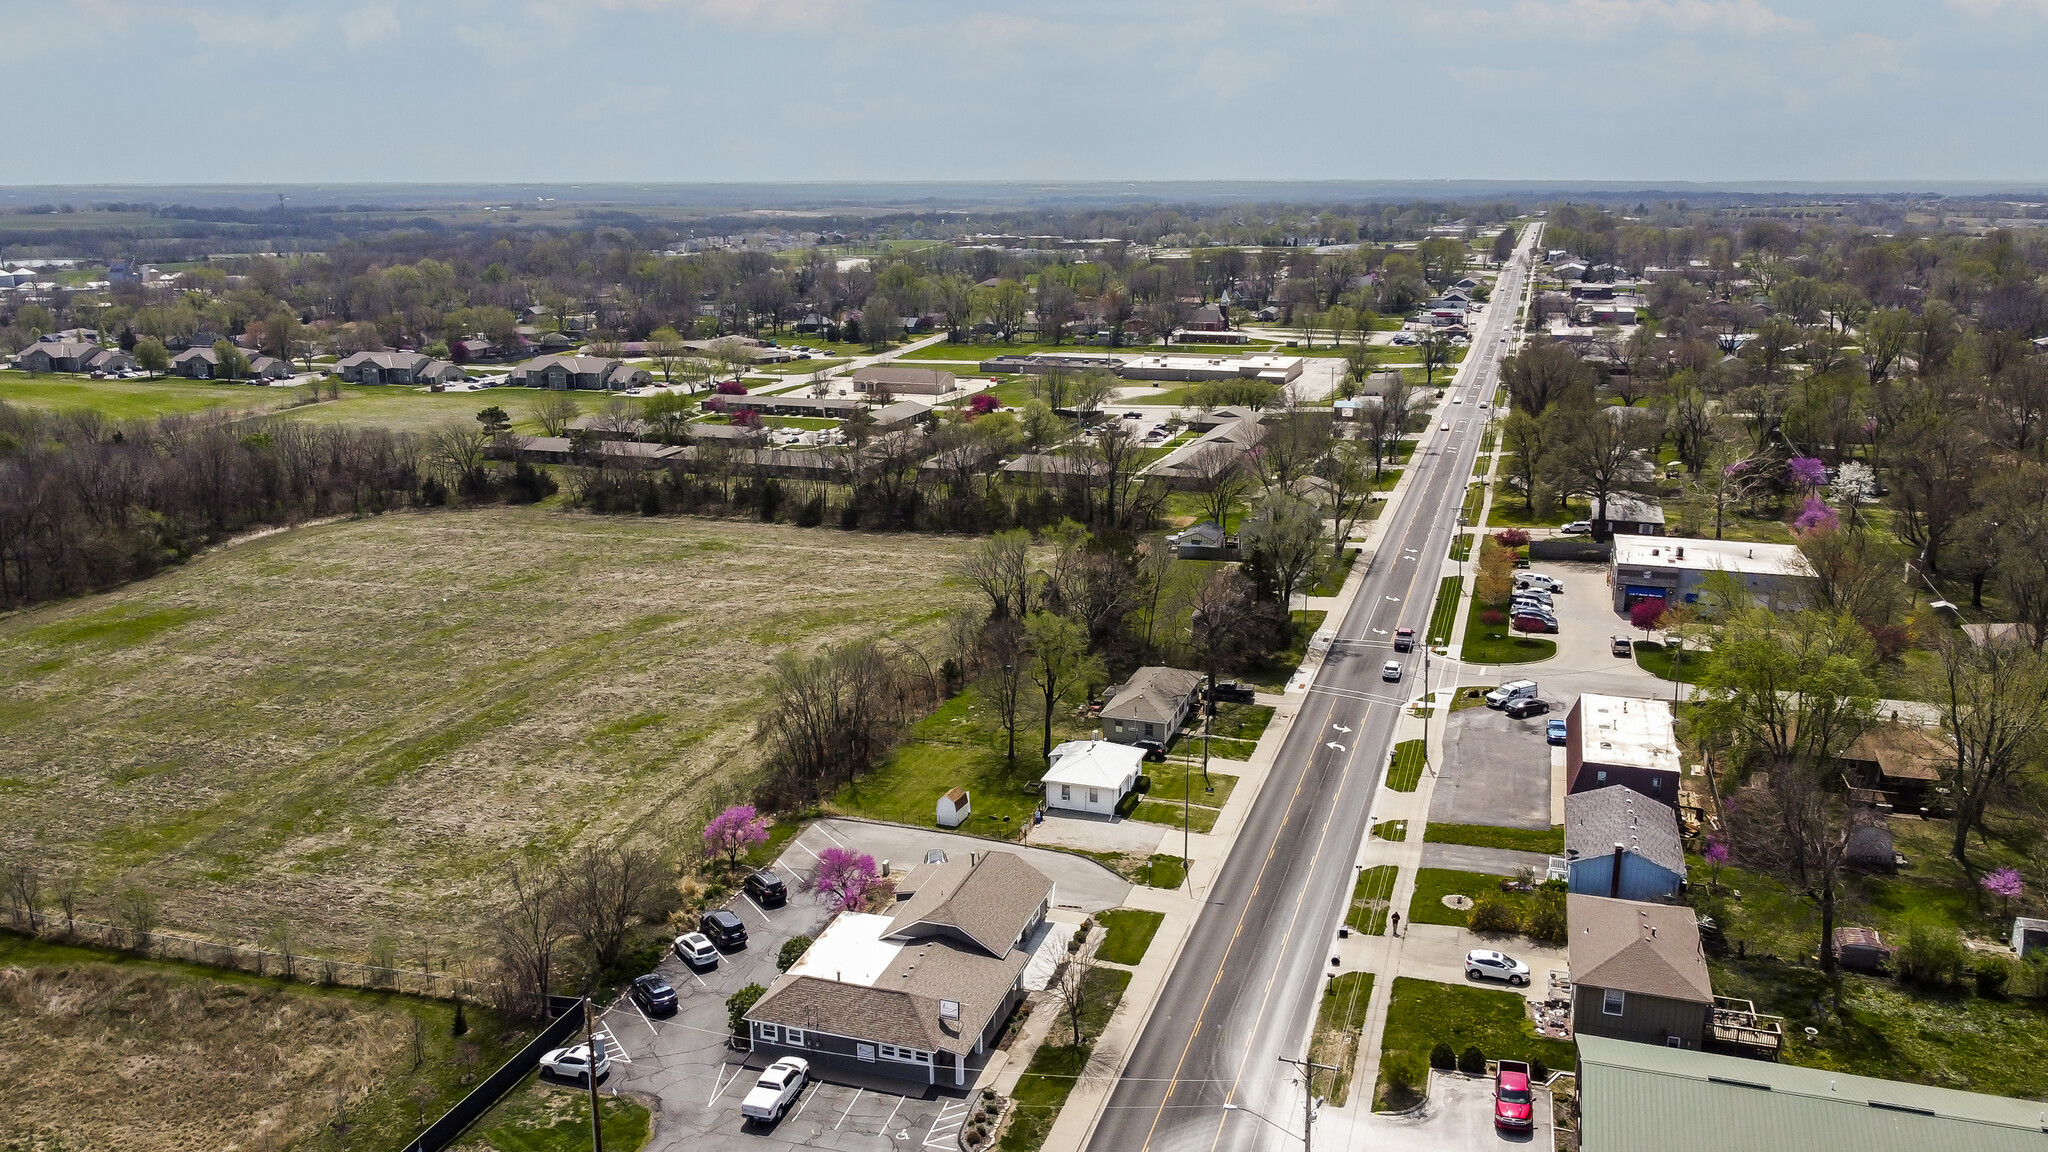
(1309, 1068)
(591, 1043)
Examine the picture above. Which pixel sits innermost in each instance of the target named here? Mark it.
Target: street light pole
(590, 1046)
(1308, 1104)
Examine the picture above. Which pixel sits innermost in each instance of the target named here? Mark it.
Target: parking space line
(951, 1120)
(809, 1096)
(849, 1108)
(820, 830)
(724, 1083)
(613, 1048)
(892, 1114)
(637, 1011)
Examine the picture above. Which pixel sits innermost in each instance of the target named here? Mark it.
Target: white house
(1092, 775)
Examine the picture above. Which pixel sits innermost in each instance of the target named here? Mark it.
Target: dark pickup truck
(1404, 639)
(1231, 692)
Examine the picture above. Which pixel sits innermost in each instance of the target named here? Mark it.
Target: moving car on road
(776, 1089)
(696, 950)
(655, 996)
(1621, 646)
(1404, 639)
(1391, 671)
(1512, 1106)
(574, 1063)
(1486, 964)
(1577, 528)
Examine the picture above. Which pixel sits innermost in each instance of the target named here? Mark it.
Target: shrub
(737, 1004)
(1993, 973)
(792, 951)
(1543, 918)
(1492, 616)
(1539, 1072)
(1472, 1061)
(1402, 1076)
(1442, 1058)
(1491, 913)
(731, 388)
(1512, 537)
(1930, 956)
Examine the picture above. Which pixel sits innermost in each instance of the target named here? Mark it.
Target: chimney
(1614, 880)
(1681, 553)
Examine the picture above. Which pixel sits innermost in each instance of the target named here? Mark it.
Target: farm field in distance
(353, 726)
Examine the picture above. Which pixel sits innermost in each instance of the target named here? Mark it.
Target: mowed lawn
(356, 726)
(133, 399)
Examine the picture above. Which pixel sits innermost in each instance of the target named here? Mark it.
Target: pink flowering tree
(735, 832)
(2005, 884)
(1815, 515)
(1807, 472)
(1716, 854)
(715, 404)
(843, 879)
(982, 404)
(747, 418)
(1646, 613)
(731, 388)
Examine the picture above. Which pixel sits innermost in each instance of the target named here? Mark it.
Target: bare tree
(602, 893)
(1348, 490)
(1001, 567)
(1076, 996)
(527, 932)
(25, 892)
(553, 411)
(1004, 651)
(1220, 479)
(1994, 704)
(137, 909)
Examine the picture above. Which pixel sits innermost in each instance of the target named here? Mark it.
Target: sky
(236, 91)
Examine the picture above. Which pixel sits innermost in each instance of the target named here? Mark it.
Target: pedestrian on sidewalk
(1397, 923)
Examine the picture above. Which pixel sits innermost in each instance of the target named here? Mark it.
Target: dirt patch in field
(355, 726)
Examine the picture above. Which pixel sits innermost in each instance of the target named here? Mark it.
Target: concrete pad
(1096, 833)
(1082, 884)
(1437, 952)
(1457, 1117)
(1048, 946)
(1495, 861)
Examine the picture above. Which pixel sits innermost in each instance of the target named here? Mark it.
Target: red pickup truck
(1512, 1107)
(1404, 639)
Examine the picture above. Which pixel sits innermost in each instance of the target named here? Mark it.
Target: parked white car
(696, 950)
(1484, 964)
(574, 1063)
(776, 1089)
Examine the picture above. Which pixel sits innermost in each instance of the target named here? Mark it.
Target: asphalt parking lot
(683, 1064)
(1497, 770)
(1458, 1118)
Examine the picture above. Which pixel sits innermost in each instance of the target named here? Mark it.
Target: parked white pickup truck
(777, 1087)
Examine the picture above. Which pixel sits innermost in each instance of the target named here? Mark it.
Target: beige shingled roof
(1647, 949)
(902, 1006)
(1154, 694)
(989, 901)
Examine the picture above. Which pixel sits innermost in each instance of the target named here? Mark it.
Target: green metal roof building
(1635, 1097)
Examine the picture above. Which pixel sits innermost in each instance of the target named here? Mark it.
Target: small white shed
(955, 808)
(2029, 935)
(1092, 775)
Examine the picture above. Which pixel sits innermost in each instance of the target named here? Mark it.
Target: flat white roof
(1262, 362)
(1627, 731)
(1094, 763)
(1681, 554)
(850, 950)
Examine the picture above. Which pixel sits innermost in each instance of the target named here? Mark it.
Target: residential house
(1900, 762)
(1621, 740)
(1678, 570)
(1188, 465)
(1621, 844)
(919, 993)
(902, 414)
(108, 362)
(1632, 1098)
(1630, 515)
(270, 368)
(1204, 541)
(56, 356)
(196, 364)
(473, 349)
(1150, 705)
(899, 381)
(560, 373)
(402, 368)
(1638, 972)
(1091, 776)
(1207, 318)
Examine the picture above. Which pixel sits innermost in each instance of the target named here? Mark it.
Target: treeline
(87, 503)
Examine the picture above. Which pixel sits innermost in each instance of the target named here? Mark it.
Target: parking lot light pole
(590, 1045)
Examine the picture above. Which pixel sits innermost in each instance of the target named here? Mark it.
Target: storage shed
(954, 808)
(1861, 949)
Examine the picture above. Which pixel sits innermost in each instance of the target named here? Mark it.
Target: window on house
(793, 1036)
(1119, 727)
(1066, 791)
(1612, 1000)
(1149, 729)
(1093, 798)
(770, 1033)
(1600, 777)
(1656, 783)
(1674, 1041)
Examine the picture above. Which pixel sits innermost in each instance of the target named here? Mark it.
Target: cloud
(370, 24)
(1743, 17)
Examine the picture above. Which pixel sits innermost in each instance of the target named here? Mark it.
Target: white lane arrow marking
(1334, 744)
(1380, 631)
(1340, 728)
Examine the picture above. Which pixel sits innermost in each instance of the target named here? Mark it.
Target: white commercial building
(1676, 570)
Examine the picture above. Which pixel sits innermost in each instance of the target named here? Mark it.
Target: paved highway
(1206, 1073)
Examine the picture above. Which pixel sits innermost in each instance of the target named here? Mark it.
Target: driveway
(1437, 952)
(1099, 833)
(1497, 770)
(1493, 861)
(1457, 1118)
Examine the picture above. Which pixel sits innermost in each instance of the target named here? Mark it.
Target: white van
(1510, 692)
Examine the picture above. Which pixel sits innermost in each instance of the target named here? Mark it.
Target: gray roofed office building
(1633, 1098)
(920, 990)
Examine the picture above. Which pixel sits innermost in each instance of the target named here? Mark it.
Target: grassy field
(1050, 1076)
(1433, 884)
(132, 399)
(1273, 676)
(355, 726)
(1197, 817)
(1130, 934)
(1171, 780)
(1443, 616)
(1406, 770)
(542, 1117)
(1423, 1013)
(1663, 662)
(1339, 1021)
(1487, 836)
(412, 411)
(101, 1050)
(1370, 897)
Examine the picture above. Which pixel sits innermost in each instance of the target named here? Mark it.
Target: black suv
(1154, 750)
(1524, 708)
(726, 930)
(766, 888)
(654, 995)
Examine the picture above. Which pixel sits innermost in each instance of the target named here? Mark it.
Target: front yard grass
(1130, 933)
(1405, 772)
(1334, 575)
(1339, 1022)
(1488, 836)
(1661, 662)
(1423, 1013)
(1170, 781)
(1199, 819)
(1370, 900)
(1241, 721)
(1499, 644)
(1511, 511)
(1043, 1089)
(1281, 666)
(1433, 884)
